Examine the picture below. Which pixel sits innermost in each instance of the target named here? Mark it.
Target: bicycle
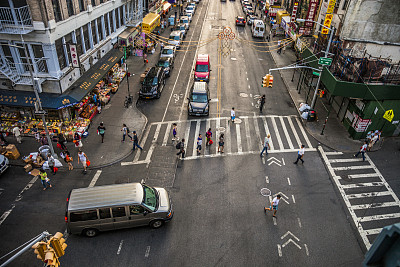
(128, 101)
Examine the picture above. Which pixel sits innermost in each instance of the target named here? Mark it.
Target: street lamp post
(331, 31)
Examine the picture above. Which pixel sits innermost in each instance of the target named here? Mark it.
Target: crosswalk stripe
(247, 127)
(166, 134)
(196, 135)
(352, 168)
(365, 175)
(271, 144)
(303, 133)
(372, 194)
(285, 131)
(217, 133)
(259, 140)
(344, 160)
(153, 143)
(373, 231)
(333, 153)
(380, 217)
(359, 185)
(375, 205)
(138, 151)
(227, 137)
(276, 131)
(296, 136)
(238, 138)
(187, 135)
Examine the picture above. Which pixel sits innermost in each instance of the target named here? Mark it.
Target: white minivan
(258, 28)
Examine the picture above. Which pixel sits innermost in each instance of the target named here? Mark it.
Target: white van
(258, 28)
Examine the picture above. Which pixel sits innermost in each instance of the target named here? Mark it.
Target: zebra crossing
(370, 200)
(245, 136)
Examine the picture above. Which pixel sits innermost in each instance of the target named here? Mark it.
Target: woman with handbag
(68, 159)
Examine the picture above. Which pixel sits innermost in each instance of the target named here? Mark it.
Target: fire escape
(134, 14)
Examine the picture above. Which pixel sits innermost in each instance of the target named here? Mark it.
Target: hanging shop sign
(272, 11)
(294, 11)
(74, 55)
(328, 16)
(312, 11)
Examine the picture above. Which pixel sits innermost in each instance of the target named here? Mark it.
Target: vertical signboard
(328, 16)
(294, 12)
(311, 13)
(74, 56)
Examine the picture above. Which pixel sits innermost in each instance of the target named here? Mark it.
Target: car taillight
(244, 21)
(237, 21)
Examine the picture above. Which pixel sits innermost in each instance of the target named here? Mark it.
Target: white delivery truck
(258, 28)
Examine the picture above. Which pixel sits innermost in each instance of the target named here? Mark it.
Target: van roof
(105, 196)
(202, 57)
(257, 21)
(200, 87)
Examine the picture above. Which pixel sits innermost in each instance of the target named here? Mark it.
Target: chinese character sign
(329, 16)
(74, 56)
(312, 11)
(294, 11)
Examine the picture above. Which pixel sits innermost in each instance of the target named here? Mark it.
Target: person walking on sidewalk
(44, 180)
(67, 158)
(233, 115)
(136, 141)
(274, 207)
(363, 149)
(372, 142)
(300, 155)
(221, 143)
(174, 132)
(101, 130)
(279, 47)
(52, 164)
(262, 103)
(265, 145)
(17, 133)
(125, 132)
(181, 147)
(84, 159)
(208, 137)
(145, 58)
(199, 143)
(78, 140)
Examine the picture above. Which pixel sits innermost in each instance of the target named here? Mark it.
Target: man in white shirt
(372, 142)
(265, 145)
(17, 132)
(233, 115)
(363, 149)
(300, 155)
(274, 207)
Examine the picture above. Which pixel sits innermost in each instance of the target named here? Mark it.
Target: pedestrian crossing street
(245, 136)
(370, 200)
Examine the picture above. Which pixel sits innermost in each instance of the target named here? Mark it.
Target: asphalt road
(219, 218)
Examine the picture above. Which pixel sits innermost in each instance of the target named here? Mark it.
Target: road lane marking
(267, 179)
(120, 247)
(142, 143)
(279, 250)
(294, 200)
(288, 180)
(228, 137)
(206, 151)
(303, 133)
(271, 145)
(217, 133)
(247, 127)
(238, 139)
(166, 134)
(344, 160)
(285, 131)
(196, 135)
(296, 136)
(6, 213)
(274, 220)
(372, 194)
(298, 220)
(95, 178)
(359, 185)
(374, 205)
(306, 248)
(276, 131)
(153, 143)
(263, 161)
(333, 153)
(352, 168)
(259, 141)
(365, 175)
(146, 254)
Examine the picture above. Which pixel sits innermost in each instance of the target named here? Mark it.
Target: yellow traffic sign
(389, 115)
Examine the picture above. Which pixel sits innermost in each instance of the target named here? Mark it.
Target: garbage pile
(307, 113)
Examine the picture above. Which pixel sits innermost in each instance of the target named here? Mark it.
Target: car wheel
(90, 232)
(156, 224)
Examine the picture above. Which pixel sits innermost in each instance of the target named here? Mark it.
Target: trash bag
(304, 115)
(304, 107)
(44, 151)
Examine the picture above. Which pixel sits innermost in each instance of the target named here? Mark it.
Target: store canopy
(166, 6)
(72, 96)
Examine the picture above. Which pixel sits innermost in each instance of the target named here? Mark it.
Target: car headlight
(154, 89)
(207, 77)
(206, 109)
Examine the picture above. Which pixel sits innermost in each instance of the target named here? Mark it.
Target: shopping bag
(88, 163)
(55, 169)
(211, 142)
(59, 145)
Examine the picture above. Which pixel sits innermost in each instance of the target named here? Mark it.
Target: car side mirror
(145, 212)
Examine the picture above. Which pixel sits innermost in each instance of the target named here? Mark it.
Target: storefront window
(100, 29)
(94, 35)
(79, 47)
(60, 53)
(86, 37)
(56, 10)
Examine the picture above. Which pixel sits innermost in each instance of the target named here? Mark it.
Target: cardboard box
(12, 155)
(28, 160)
(11, 148)
(27, 167)
(38, 165)
(34, 172)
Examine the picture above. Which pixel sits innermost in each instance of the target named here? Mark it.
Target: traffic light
(265, 81)
(268, 80)
(58, 244)
(51, 258)
(39, 249)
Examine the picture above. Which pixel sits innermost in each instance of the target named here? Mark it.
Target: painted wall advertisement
(359, 124)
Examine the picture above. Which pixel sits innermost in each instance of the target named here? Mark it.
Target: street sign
(389, 115)
(325, 61)
(316, 73)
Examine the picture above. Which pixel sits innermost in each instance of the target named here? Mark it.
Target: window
(106, 24)
(56, 10)
(345, 4)
(94, 35)
(7, 52)
(112, 19)
(68, 40)
(41, 65)
(88, 215)
(93, 2)
(100, 28)
(70, 8)
(104, 213)
(121, 16)
(149, 198)
(136, 209)
(81, 5)
(78, 39)
(86, 37)
(118, 212)
(60, 53)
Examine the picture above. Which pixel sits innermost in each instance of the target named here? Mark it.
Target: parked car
(181, 27)
(193, 5)
(249, 11)
(168, 51)
(191, 8)
(185, 20)
(240, 21)
(245, 6)
(167, 63)
(175, 38)
(4, 163)
(199, 99)
(153, 83)
(189, 15)
(250, 19)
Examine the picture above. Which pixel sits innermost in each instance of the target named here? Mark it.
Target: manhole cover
(243, 95)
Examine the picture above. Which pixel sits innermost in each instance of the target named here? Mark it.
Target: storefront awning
(166, 6)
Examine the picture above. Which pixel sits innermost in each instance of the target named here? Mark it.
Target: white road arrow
(290, 239)
(290, 233)
(274, 160)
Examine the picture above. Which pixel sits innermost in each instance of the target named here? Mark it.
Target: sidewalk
(335, 135)
(113, 115)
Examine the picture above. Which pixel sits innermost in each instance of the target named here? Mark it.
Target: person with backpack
(136, 141)
(125, 132)
(101, 130)
(208, 137)
(181, 147)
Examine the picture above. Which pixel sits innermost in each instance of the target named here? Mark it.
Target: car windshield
(176, 38)
(163, 63)
(149, 198)
(155, 81)
(189, 8)
(167, 52)
(199, 98)
(201, 68)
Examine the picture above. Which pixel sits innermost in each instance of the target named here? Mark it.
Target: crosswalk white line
(365, 175)
(373, 231)
(167, 134)
(380, 217)
(352, 168)
(153, 143)
(247, 127)
(138, 151)
(228, 139)
(375, 205)
(344, 160)
(359, 185)
(217, 133)
(276, 131)
(296, 136)
(303, 133)
(285, 131)
(196, 135)
(372, 194)
(333, 153)
(187, 135)
(271, 144)
(259, 140)
(238, 139)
